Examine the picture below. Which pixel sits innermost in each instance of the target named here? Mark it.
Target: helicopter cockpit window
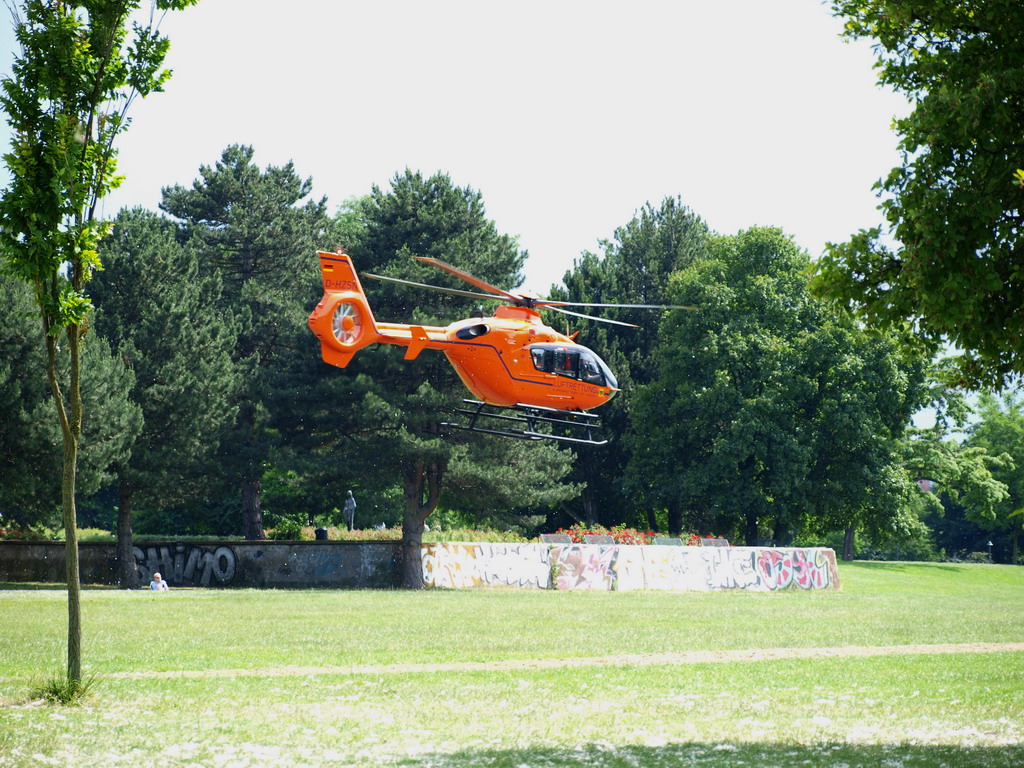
(589, 370)
(575, 362)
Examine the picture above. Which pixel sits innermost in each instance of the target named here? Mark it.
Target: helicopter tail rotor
(342, 320)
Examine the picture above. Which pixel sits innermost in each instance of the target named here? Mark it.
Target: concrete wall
(217, 563)
(271, 564)
(624, 567)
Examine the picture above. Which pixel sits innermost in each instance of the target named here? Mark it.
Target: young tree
(955, 206)
(66, 102)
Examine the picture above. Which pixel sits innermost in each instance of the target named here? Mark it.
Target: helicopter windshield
(575, 362)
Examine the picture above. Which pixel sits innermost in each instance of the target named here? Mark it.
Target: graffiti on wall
(624, 567)
(574, 566)
(803, 568)
(187, 565)
(582, 566)
(585, 566)
(461, 565)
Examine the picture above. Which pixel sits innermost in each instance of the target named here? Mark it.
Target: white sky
(567, 115)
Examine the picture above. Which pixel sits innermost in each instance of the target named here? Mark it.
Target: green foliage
(160, 310)
(66, 101)
(634, 268)
(95, 534)
(286, 530)
(37, 532)
(954, 206)
(30, 437)
(256, 231)
(399, 405)
(435, 534)
(770, 414)
(1001, 429)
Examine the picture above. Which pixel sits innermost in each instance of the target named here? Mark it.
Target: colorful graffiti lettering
(458, 566)
(803, 568)
(624, 567)
(585, 566)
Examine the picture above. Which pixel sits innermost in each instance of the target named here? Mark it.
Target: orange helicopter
(522, 370)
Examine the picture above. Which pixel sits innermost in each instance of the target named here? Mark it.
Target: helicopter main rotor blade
(589, 317)
(554, 303)
(444, 266)
(453, 291)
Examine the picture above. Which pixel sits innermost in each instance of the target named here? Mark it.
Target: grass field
(526, 678)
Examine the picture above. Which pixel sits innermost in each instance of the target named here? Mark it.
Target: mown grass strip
(626, 660)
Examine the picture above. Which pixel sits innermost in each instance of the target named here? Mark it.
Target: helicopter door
(566, 362)
(557, 360)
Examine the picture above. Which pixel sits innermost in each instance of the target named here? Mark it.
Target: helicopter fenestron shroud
(525, 373)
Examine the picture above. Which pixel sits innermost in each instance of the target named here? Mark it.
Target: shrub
(286, 530)
(620, 533)
(30, 533)
(95, 534)
(433, 535)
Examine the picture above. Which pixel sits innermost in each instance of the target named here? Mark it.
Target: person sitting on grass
(158, 584)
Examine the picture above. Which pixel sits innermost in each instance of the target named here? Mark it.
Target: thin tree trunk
(71, 429)
(750, 533)
(675, 518)
(589, 506)
(252, 513)
(848, 542)
(422, 490)
(127, 570)
(71, 563)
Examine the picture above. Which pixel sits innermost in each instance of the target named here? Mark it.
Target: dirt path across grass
(624, 660)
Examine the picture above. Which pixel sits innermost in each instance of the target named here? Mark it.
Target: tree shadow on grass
(760, 755)
(48, 586)
(904, 566)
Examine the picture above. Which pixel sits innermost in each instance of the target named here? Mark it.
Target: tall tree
(1000, 430)
(66, 102)
(253, 228)
(30, 454)
(402, 414)
(769, 415)
(26, 440)
(161, 311)
(634, 268)
(955, 206)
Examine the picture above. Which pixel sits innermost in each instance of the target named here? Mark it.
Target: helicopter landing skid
(562, 426)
